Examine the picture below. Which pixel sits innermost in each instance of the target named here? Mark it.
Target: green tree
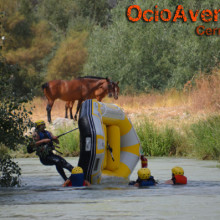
(14, 121)
(98, 11)
(69, 58)
(58, 13)
(152, 55)
(28, 42)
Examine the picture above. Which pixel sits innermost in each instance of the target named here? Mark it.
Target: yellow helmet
(77, 170)
(178, 171)
(39, 122)
(144, 173)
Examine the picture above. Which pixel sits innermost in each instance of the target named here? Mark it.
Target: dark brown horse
(79, 89)
(99, 94)
(116, 89)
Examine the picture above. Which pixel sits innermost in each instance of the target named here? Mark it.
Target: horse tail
(45, 86)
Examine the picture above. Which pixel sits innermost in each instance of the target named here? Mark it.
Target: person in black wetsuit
(44, 149)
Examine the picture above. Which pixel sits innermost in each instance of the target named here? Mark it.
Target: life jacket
(179, 179)
(148, 182)
(44, 135)
(77, 180)
(44, 149)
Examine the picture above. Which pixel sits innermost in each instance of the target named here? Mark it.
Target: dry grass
(199, 99)
(206, 95)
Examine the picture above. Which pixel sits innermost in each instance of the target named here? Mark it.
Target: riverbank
(163, 131)
(175, 123)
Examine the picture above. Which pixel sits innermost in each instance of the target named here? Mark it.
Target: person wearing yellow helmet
(44, 149)
(144, 178)
(77, 178)
(178, 177)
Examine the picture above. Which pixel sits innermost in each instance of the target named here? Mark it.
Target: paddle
(66, 132)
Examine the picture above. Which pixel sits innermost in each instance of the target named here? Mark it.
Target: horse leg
(77, 109)
(71, 108)
(99, 98)
(66, 109)
(49, 108)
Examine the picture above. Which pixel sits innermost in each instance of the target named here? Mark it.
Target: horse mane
(91, 77)
(45, 85)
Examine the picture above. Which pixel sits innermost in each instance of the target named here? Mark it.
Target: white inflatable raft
(109, 144)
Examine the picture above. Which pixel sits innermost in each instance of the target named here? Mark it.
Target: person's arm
(66, 183)
(169, 182)
(137, 184)
(87, 183)
(131, 183)
(43, 141)
(54, 138)
(152, 178)
(37, 140)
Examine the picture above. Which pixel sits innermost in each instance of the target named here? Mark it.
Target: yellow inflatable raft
(109, 144)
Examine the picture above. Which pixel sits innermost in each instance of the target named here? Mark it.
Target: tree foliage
(150, 55)
(28, 41)
(41, 45)
(98, 11)
(10, 172)
(14, 121)
(52, 39)
(58, 13)
(69, 58)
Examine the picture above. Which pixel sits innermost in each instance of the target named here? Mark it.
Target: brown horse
(79, 89)
(99, 94)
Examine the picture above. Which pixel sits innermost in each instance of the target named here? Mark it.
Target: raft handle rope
(57, 150)
(110, 150)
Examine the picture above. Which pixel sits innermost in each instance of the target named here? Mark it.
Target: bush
(14, 120)
(157, 142)
(10, 172)
(204, 138)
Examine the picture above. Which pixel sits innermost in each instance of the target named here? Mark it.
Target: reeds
(204, 138)
(69, 144)
(199, 140)
(157, 141)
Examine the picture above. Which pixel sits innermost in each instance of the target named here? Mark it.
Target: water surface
(41, 195)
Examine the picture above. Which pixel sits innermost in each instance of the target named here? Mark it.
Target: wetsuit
(48, 158)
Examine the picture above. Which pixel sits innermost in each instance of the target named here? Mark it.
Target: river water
(42, 197)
